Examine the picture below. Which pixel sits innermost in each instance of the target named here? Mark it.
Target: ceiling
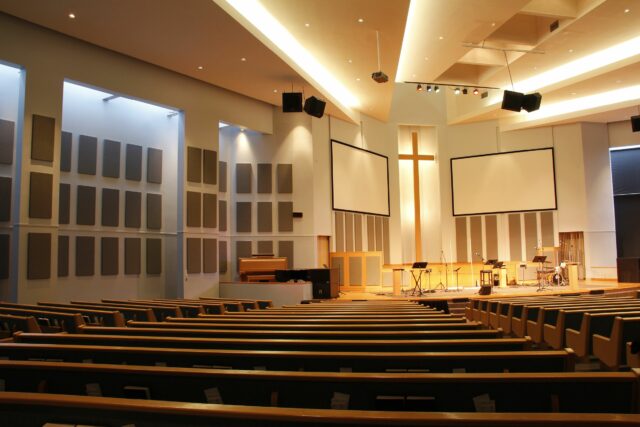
(439, 38)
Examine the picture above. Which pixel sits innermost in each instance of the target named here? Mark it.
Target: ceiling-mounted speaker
(314, 107)
(292, 102)
(531, 102)
(635, 123)
(512, 101)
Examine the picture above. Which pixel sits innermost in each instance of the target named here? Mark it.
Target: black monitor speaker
(485, 290)
(635, 123)
(531, 102)
(512, 101)
(314, 107)
(292, 102)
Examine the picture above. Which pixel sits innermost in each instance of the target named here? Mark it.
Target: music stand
(420, 266)
(540, 259)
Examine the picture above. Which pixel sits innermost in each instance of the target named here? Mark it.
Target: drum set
(550, 276)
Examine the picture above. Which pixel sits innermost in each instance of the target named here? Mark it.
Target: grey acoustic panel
(222, 213)
(339, 217)
(546, 228)
(194, 256)
(515, 238)
(63, 256)
(265, 247)
(243, 217)
(110, 207)
(243, 178)
(357, 232)
(42, 136)
(132, 209)
(265, 217)
(530, 234)
(85, 255)
(378, 233)
(209, 256)
(194, 209)
(194, 164)
(491, 236)
(285, 216)
(264, 178)
(371, 233)
(40, 195)
(476, 238)
(109, 256)
(38, 256)
(154, 165)
(65, 152)
(111, 158)
(5, 255)
(209, 167)
(355, 270)
(243, 250)
(284, 173)
(154, 211)
(5, 198)
(285, 249)
(348, 231)
(461, 239)
(372, 265)
(133, 163)
(7, 130)
(386, 240)
(222, 256)
(209, 210)
(338, 263)
(87, 154)
(86, 205)
(64, 204)
(132, 247)
(222, 185)
(154, 256)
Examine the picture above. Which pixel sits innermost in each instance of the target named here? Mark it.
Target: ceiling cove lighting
(260, 18)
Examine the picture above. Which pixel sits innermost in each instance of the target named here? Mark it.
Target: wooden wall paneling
(110, 207)
(109, 265)
(371, 233)
(154, 211)
(515, 238)
(244, 176)
(5, 198)
(243, 217)
(194, 209)
(154, 165)
(222, 214)
(264, 178)
(491, 236)
(209, 256)
(38, 256)
(223, 256)
(42, 138)
(546, 229)
(209, 210)
(530, 234)
(285, 216)
(87, 154)
(355, 271)
(85, 256)
(338, 263)
(378, 233)
(154, 256)
(111, 158)
(386, 243)
(222, 183)
(40, 195)
(461, 239)
(265, 217)
(209, 167)
(7, 132)
(373, 272)
(265, 247)
(357, 235)
(132, 255)
(476, 238)
(65, 152)
(339, 218)
(133, 163)
(284, 173)
(132, 209)
(285, 249)
(194, 256)
(5, 255)
(63, 256)
(194, 164)
(348, 231)
(86, 205)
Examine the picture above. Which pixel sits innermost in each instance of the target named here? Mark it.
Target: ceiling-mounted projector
(380, 77)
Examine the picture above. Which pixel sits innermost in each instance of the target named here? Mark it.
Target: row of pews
(599, 326)
(341, 363)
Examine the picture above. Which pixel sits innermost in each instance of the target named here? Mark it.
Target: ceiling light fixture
(457, 91)
(360, 20)
(72, 16)
(464, 91)
(243, 59)
(200, 67)
(429, 88)
(475, 91)
(627, 10)
(436, 89)
(419, 88)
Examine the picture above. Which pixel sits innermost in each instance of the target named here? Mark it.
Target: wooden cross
(416, 157)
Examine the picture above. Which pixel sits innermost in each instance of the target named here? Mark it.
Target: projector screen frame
(555, 184)
(386, 158)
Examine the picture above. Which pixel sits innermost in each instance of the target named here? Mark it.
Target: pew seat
(611, 350)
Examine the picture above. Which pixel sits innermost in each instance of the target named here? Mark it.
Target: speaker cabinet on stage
(325, 282)
(485, 290)
(628, 270)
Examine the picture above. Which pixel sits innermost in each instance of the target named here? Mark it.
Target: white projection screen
(515, 181)
(359, 180)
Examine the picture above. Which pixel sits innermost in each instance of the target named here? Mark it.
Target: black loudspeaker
(512, 101)
(314, 107)
(531, 102)
(635, 123)
(292, 102)
(485, 290)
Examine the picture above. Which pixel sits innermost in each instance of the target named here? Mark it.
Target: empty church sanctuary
(319, 212)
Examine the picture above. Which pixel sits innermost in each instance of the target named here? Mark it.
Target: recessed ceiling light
(426, 58)
(441, 37)
(493, 24)
(307, 25)
(361, 20)
(570, 50)
(243, 59)
(573, 93)
(357, 79)
(627, 10)
(275, 91)
(349, 61)
(72, 15)
(618, 81)
(200, 67)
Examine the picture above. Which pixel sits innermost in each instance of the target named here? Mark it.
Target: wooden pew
(490, 344)
(188, 309)
(91, 316)
(129, 313)
(600, 323)
(614, 392)
(312, 327)
(10, 323)
(296, 334)
(633, 357)
(494, 309)
(68, 322)
(314, 321)
(413, 317)
(161, 310)
(36, 409)
(315, 361)
(209, 307)
(611, 350)
(232, 305)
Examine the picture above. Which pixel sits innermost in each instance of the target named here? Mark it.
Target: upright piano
(260, 269)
